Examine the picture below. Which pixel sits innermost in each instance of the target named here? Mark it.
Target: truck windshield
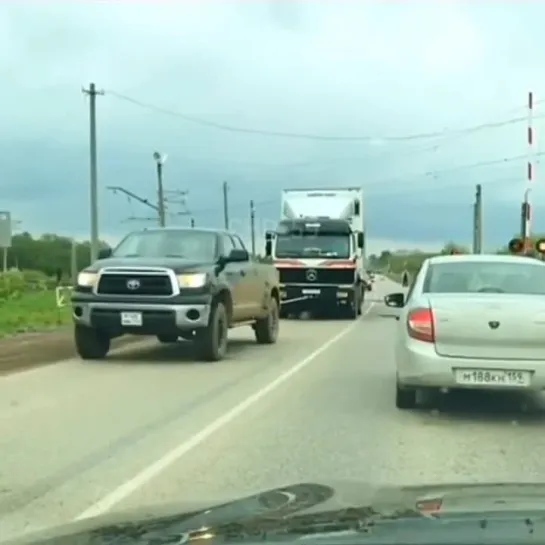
(313, 245)
(185, 244)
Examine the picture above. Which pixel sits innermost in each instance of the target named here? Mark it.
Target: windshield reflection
(183, 243)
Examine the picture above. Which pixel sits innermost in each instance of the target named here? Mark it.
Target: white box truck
(319, 251)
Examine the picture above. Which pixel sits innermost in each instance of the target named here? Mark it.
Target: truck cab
(317, 263)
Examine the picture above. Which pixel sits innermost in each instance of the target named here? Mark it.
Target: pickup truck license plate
(492, 377)
(133, 319)
(311, 292)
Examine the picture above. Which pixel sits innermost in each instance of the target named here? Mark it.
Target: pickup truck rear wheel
(91, 344)
(266, 329)
(211, 342)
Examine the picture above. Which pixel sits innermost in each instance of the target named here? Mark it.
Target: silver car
(471, 321)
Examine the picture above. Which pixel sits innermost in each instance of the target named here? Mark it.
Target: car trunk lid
(489, 326)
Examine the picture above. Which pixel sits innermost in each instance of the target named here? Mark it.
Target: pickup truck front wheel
(91, 344)
(266, 329)
(212, 342)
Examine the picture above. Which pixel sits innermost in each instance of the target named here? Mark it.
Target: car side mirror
(104, 253)
(396, 300)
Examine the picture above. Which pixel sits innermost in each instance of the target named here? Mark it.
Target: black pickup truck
(175, 283)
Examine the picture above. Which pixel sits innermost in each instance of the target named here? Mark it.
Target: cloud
(329, 68)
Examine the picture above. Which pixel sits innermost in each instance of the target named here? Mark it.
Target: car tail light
(420, 325)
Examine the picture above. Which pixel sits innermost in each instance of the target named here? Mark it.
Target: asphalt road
(78, 439)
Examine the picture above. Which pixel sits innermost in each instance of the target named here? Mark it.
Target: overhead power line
(308, 136)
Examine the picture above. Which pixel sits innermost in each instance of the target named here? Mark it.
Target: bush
(15, 283)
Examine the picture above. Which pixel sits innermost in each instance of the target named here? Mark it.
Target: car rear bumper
(419, 365)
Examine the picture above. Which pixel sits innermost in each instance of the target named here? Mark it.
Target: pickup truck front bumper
(131, 315)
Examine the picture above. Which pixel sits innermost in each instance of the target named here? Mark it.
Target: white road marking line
(139, 480)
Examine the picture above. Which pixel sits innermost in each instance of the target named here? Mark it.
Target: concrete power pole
(252, 226)
(226, 205)
(93, 93)
(478, 221)
(160, 159)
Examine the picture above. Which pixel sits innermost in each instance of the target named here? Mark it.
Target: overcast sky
(324, 68)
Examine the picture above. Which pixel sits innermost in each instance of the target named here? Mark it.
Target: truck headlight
(195, 280)
(87, 279)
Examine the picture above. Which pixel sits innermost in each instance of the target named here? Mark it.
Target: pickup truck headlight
(195, 280)
(87, 279)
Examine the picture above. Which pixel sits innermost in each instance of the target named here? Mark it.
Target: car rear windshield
(485, 277)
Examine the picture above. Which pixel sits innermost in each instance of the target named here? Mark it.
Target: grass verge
(32, 312)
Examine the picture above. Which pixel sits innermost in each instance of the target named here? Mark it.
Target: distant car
(471, 321)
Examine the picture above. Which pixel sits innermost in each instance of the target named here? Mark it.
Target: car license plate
(492, 377)
(311, 292)
(132, 319)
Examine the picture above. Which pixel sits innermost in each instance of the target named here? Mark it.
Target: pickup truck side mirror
(268, 248)
(237, 255)
(104, 253)
(360, 240)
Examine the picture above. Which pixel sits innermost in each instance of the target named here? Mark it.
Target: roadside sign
(62, 295)
(5, 229)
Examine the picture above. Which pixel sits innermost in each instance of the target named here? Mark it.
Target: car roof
(484, 258)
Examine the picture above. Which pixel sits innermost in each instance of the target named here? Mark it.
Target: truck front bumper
(151, 317)
(307, 295)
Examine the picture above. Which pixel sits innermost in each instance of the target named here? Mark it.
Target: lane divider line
(146, 475)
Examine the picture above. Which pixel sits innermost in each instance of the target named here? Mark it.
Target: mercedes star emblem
(312, 275)
(494, 324)
(133, 284)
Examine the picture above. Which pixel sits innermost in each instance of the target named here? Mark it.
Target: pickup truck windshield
(186, 244)
(313, 245)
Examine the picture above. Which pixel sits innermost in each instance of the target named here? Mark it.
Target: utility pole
(252, 226)
(160, 161)
(478, 221)
(93, 93)
(225, 205)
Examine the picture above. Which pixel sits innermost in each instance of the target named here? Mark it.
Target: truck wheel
(352, 309)
(212, 341)
(361, 299)
(167, 339)
(266, 329)
(91, 344)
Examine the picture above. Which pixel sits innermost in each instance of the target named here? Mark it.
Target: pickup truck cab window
(239, 245)
(228, 245)
(183, 243)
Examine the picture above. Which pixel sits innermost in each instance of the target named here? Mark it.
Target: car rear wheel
(405, 397)
(266, 329)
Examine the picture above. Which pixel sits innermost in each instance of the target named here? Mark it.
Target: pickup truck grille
(323, 276)
(134, 284)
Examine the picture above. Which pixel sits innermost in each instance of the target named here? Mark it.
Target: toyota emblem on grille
(494, 325)
(133, 284)
(312, 275)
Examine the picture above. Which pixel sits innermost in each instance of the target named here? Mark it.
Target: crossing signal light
(540, 246)
(516, 245)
